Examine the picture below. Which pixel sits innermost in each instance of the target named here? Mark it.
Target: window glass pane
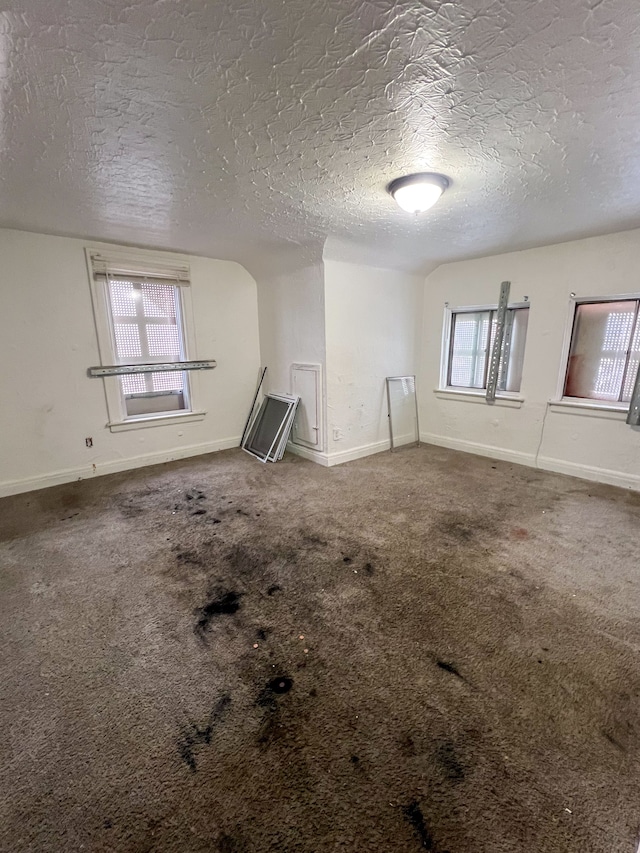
(158, 300)
(123, 298)
(163, 340)
(146, 322)
(128, 344)
(170, 381)
(601, 339)
(133, 384)
(469, 349)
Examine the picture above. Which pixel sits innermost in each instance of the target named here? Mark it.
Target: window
(605, 351)
(146, 325)
(470, 341)
(141, 318)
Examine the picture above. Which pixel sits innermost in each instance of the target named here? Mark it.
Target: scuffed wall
(48, 336)
(593, 444)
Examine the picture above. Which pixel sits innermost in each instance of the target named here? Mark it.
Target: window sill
(156, 420)
(508, 401)
(589, 409)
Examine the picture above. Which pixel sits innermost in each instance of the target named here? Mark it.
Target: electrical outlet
(89, 441)
(337, 433)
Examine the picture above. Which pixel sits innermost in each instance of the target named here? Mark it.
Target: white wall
(48, 339)
(373, 321)
(597, 445)
(291, 308)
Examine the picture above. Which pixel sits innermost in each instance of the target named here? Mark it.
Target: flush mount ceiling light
(417, 193)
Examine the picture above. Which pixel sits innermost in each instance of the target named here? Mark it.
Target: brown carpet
(425, 650)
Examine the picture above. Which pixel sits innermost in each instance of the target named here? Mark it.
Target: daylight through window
(605, 351)
(471, 340)
(147, 327)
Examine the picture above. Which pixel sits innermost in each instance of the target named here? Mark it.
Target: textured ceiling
(233, 129)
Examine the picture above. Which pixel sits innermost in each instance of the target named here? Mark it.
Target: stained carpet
(419, 651)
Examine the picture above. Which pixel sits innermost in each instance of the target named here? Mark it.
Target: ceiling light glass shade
(417, 193)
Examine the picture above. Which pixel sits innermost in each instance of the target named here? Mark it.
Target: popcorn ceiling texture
(238, 129)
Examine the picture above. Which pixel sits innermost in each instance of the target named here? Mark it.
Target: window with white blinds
(146, 324)
(471, 339)
(605, 351)
(143, 315)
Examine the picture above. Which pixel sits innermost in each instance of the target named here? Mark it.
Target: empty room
(320, 426)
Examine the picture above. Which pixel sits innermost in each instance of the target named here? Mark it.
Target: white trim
(358, 452)
(140, 263)
(544, 463)
(589, 409)
(479, 396)
(69, 475)
(566, 346)
(590, 472)
(616, 297)
(159, 420)
(328, 460)
(445, 345)
(517, 456)
(319, 402)
(306, 453)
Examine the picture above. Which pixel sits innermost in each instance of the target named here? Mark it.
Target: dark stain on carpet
(222, 604)
(448, 759)
(189, 558)
(449, 667)
(413, 814)
(273, 589)
(408, 746)
(196, 736)
(313, 539)
(464, 528)
(245, 561)
(271, 728)
(276, 687)
(229, 844)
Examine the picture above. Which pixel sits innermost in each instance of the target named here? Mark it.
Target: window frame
(585, 402)
(447, 343)
(118, 419)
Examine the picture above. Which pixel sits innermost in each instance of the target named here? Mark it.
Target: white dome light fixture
(417, 193)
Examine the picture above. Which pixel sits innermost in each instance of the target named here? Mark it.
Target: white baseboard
(357, 452)
(545, 463)
(517, 456)
(308, 453)
(331, 459)
(590, 472)
(69, 475)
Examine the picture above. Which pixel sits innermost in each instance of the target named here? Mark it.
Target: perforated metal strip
(126, 369)
(496, 351)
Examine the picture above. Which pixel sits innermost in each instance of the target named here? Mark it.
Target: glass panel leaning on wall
(471, 339)
(605, 351)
